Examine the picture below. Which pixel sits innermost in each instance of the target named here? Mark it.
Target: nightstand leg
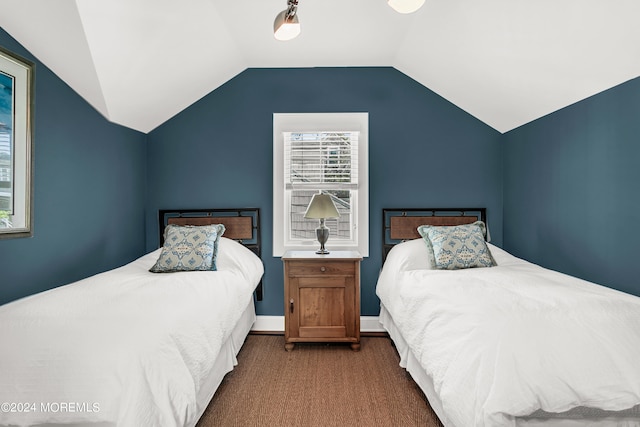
(355, 346)
(289, 346)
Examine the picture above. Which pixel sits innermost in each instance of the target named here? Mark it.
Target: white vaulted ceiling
(506, 62)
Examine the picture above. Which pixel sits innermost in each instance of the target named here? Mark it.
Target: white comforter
(505, 341)
(126, 347)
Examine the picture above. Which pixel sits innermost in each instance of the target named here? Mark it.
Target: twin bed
(131, 347)
(511, 344)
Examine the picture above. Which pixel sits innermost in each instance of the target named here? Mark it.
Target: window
(16, 102)
(320, 152)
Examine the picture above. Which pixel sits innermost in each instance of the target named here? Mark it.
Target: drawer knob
(323, 269)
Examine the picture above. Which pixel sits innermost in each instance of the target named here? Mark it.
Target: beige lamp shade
(321, 206)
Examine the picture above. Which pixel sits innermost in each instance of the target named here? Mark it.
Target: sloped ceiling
(506, 62)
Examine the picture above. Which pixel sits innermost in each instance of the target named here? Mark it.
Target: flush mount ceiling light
(286, 26)
(405, 6)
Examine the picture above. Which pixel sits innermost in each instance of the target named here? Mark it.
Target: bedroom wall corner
(571, 189)
(89, 192)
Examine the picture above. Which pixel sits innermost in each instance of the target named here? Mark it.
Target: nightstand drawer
(315, 268)
(323, 282)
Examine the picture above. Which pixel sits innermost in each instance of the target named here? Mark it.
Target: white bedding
(125, 347)
(502, 342)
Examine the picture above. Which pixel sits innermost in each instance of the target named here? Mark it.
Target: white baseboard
(371, 324)
(275, 324)
(272, 324)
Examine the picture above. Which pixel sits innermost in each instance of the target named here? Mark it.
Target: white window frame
(18, 220)
(314, 122)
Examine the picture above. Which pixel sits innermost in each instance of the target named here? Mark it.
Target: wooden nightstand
(322, 297)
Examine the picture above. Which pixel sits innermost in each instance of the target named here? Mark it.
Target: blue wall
(572, 189)
(558, 181)
(423, 152)
(89, 192)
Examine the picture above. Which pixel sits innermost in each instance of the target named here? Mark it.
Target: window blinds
(321, 160)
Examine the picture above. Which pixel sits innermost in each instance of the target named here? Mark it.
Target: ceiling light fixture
(405, 6)
(286, 26)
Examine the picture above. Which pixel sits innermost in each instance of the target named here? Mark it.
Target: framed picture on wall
(16, 145)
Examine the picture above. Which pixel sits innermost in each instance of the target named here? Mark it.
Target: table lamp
(321, 207)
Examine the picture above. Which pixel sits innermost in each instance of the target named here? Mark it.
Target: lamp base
(322, 233)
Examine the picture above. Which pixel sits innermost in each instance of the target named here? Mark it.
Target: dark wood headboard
(242, 225)
(399, 225)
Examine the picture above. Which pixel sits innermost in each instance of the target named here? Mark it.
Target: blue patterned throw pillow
(457, 247)
(189, 248)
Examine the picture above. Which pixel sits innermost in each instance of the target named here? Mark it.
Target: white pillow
(414, 255)
(233, 255)
(502, 257)
(409, 255)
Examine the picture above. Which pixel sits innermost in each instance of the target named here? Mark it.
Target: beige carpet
(318, 385)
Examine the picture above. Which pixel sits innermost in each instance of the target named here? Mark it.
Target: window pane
(321, 157)
(6, 161)
(5, 169)
(305, 229)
